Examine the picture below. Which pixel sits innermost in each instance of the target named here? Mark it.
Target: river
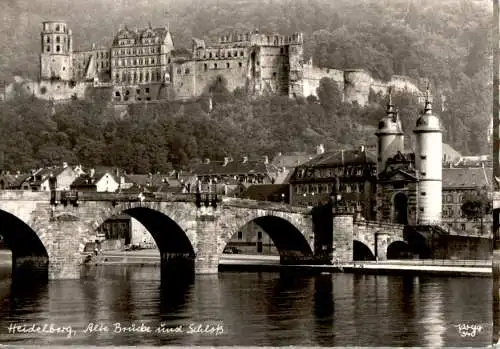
(117, 305)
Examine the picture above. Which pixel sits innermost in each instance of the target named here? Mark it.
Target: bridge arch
(291, 233)
(27, 241)
(362, 252)
(168, 223)
(398, 250)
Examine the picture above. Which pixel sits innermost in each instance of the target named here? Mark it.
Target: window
(229, 54)
(423, 193)
(228, 65)
(138, 91)
(147, 89)
(240, 235)
(215, 65)
(423, 157)
(48, 48)
(179, 71)
(117, 94)
(241, 53)
(205, 66)
(210, 54)
(135, 61)
(153, 61)
(58, 48)
(48, 39)
(274, 75)
(186, 71)
(58, 27)
(117, 77)
(462, 226)
(259, 235)
(240, 64)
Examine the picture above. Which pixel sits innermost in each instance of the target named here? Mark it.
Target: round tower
(428, 163)
(56, 51)
(390, 136)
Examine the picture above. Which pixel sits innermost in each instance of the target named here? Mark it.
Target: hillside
(446, 41)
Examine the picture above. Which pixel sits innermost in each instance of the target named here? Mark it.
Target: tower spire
(428, 104)
(390, 106)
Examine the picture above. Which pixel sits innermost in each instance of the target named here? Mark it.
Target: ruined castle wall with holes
(144, 65)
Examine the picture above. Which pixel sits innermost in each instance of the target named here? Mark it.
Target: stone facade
(143, 65)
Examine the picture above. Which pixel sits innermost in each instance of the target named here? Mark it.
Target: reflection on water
(277, 309)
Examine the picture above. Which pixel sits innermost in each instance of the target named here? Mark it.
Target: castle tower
(390, 136)
(296, 65)
(428, 155)
(56, 51)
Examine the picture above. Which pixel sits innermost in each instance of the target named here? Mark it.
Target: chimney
(266, 159)
(362, 149)
(65, 164)
(245, 159)
(226, 161)
(320, 149)
(206, 161)
(92, 172)
(122, 180)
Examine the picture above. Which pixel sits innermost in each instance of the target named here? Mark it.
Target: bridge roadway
(50, 229)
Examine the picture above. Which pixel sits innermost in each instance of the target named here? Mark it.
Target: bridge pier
(381, 245)
(207, 256)
(343, 234)
(65, 258)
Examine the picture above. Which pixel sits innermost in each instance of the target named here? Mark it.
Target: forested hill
(446, 41)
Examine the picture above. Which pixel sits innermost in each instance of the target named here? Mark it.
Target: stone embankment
(272, 263)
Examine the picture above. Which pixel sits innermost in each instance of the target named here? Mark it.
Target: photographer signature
(469, 330)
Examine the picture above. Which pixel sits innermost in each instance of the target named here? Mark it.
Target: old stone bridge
(51, 229)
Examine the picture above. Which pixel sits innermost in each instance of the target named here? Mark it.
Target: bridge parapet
(24, 195)
(379, 225)
(264, 205)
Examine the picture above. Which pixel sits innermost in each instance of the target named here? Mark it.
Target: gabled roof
(467, 177)
(162, 33)
(292, 159)
(342, 157)
(399, 174)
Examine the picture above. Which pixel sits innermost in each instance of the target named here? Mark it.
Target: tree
(476, 204)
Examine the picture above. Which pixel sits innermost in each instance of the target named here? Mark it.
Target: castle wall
(398, 82)
(233, 70)
(357, 86)
(313, 75)
(48, 90)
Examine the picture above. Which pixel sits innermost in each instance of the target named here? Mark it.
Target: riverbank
(239, 262)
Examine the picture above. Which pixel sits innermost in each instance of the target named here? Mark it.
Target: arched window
(48, 39)
(140, 76)
(228, 65)
(58, 48)
(57, 27)
(147, 76)
(215, 65)
(205, 66)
